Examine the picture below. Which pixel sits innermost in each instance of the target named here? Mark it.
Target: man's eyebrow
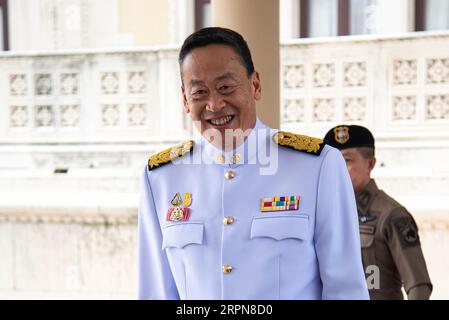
(195, 82)
(227, 75)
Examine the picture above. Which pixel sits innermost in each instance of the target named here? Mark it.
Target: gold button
(226, 268)
(228, 220)
(220, 159)
(236, 158)
(229, 175)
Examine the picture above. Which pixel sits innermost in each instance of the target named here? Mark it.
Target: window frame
(343, 15)
(199, 13)
(4, 6)
(420, 15)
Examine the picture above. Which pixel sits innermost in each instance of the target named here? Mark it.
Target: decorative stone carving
(136, 114)
(323, 75)
(404, 72)
(109, 83)
(293, 110)
(110, 115)
(69, 83)
(404, 107)
(354, 74)
(70, 115)
(136, 82)
(437, 107)
(354, 109)
(18, 84)
(18, 116)
(44, 116)
(43, 84)
(293, 76)
(438, 70)
(323, 110)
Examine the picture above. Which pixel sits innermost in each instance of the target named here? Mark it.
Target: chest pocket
(179, 235)
(280, 227)
(367, 236)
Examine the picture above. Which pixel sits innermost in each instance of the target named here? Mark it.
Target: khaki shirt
(389, 239)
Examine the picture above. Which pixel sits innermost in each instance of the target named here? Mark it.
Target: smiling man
(214, 225)
(219, 91)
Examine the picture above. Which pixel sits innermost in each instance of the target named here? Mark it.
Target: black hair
(217, 35)
(366, 152)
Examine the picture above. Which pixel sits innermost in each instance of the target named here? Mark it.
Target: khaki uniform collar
(366, 197)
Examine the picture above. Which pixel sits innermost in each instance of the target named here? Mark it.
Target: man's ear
(372, 163)
(184, 100)
(255, 82)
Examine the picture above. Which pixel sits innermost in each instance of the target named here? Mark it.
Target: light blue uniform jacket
(310, 253)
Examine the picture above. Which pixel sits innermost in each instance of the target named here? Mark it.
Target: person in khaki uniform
(388, 233)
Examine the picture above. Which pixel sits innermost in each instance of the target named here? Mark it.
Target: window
(431, 15)
(362, 15)
(203, 14)
(4, 42)
(323, 18)
(329, 18)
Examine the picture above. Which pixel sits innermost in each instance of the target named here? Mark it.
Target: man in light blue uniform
(261, 215)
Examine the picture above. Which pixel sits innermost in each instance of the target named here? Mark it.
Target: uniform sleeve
(337, 239)
(401, 234)
(421, 292)
(155, 278)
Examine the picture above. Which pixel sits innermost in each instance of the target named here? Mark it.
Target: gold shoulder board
(299, 142)
(167, 155)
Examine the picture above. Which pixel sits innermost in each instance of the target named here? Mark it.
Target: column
(258, 22)
(146, 20)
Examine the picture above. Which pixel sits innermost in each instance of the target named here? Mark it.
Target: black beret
(344, 137)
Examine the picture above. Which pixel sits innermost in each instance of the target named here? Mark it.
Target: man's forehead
(350, 151)
(224, 76)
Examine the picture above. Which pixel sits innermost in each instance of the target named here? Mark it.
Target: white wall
(289, 19)
(393, 16)
(68, 24)
(181, 20)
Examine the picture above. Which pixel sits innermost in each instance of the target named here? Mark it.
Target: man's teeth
(221, 121)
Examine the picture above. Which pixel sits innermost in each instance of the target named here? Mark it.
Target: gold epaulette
(299, 142)
(167, 155)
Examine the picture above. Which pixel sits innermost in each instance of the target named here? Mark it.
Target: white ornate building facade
(81, 108)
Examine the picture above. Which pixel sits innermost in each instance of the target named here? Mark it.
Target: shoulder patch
(299, 142)
(167, 155)
(407, 232)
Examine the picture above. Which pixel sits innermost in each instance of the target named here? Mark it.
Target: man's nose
(215, 102)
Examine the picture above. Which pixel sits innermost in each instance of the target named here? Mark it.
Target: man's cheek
(352, 173)
(349, 169)
(195, 116)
